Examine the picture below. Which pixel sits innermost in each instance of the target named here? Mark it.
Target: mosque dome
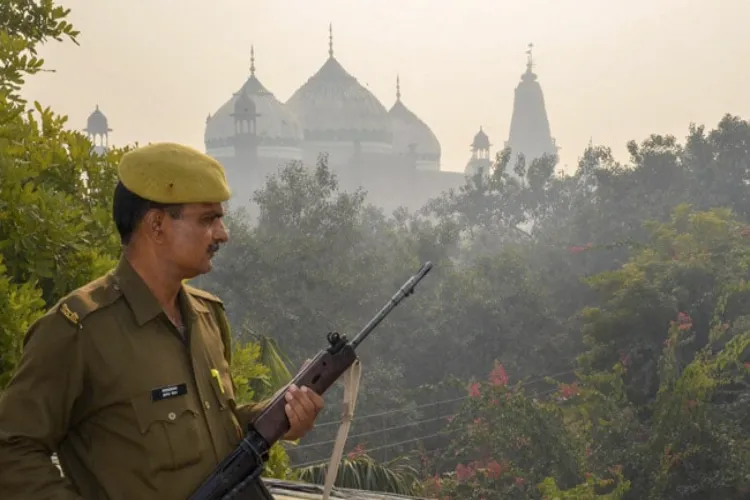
(333, 106)
(97, 123)
(275, 124)
(409, 131)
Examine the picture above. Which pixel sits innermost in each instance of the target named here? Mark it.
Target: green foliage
(360, 471)
(247, 369)
(27, 24)
(55, 191)
(248, 373)
(507, 444)
(20, 306)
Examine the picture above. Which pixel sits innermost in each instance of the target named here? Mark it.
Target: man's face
(191, 240)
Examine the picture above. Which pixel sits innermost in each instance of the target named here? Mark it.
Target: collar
(192, 301)
(142, 301)
(140, 298)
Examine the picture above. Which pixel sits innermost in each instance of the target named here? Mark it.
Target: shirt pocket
(170, 430)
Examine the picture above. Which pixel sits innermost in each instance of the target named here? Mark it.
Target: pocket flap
(169, 410)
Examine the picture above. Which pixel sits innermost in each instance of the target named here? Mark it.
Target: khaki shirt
(134, 411)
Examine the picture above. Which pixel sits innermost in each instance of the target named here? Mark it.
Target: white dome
(410, 131)
(333, 106)
(275, 124)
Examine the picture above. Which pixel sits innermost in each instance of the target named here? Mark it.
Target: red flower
(684, 321)
(569, 390)
(494, 470)
(498, 375)
(474, 390)
(464, 472)
(358, 451)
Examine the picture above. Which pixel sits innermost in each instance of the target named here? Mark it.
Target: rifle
(239, 473)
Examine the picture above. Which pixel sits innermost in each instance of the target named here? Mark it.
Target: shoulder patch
(80, 303)
(202, 294)
(69, 315)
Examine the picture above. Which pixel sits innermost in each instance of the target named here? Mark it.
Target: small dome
(244, 106)
(481, 141)
(410, 131)
(275, 125)
(97, 123)
(333, 106)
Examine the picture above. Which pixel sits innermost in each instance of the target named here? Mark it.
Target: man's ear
(154, 225)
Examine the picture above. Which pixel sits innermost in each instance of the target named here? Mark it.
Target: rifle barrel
(403, 292)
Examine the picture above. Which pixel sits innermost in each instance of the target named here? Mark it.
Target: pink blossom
(474, 390)
(498, 375)
(358, 451)
(494, 470)
(464, 472)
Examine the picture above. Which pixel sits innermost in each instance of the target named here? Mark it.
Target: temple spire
(529, 59)
(252, 60)
(398, 88)
(530, 132)
(330, 40)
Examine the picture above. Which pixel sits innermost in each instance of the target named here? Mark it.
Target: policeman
(127, 378)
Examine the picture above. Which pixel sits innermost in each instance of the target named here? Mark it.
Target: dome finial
(252, 60)
(330, 40)
(398, 88)
(529, 59)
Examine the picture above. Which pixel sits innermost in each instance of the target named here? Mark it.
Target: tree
(26, 25)
(55, 191)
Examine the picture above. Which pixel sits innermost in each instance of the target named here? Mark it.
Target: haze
(610, 71)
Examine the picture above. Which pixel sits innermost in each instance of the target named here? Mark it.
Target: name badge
(169, 391)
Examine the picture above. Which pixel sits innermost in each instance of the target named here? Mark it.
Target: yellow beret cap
(166, 172)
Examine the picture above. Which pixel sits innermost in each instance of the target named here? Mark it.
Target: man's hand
(302, 408)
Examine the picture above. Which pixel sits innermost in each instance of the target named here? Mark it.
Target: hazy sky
(610, 70)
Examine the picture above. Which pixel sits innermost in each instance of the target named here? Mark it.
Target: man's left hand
(302, 408)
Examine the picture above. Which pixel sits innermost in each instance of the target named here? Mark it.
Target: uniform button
(171, 416)
(207, 405)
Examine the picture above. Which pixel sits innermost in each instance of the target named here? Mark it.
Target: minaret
(529, 126)
(480, 155)
(245, 130)
(97, 129)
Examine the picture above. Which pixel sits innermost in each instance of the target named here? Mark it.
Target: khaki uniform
(134, 411)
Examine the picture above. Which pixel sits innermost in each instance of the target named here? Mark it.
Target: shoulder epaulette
(80, 303)
(197, 292)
